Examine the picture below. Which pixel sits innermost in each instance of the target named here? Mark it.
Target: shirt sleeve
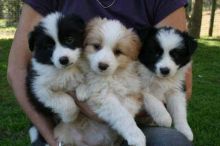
(43, 7)
(157, 10)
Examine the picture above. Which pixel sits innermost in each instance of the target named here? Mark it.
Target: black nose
(164, 70)
(103, 66)
(64, 60)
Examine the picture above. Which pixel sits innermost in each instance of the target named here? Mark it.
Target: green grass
(13, 122)
(204, 107)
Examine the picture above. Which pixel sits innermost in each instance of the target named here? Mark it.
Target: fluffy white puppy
(112, 85)
(166, 56)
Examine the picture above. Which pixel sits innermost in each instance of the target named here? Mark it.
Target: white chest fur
(57, 79)
(50, 86)
(125, 85)
(160, 87)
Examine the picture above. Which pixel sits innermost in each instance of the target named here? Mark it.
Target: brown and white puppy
(112, 86)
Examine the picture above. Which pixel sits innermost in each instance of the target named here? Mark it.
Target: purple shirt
(133, 13)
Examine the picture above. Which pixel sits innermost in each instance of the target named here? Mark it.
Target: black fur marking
(71, 31)
(183, 55)
(151, 51)
(39, 106)
(183, 86)
(40, 141)
(190, 42)
(41, 44)
(180, 56)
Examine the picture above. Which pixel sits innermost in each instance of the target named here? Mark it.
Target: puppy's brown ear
(92, 28)
(94, 23)
(134, 43)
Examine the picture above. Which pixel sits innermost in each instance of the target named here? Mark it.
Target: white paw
(163, 119)
(136, 138)
(81, 94)
(186, 130)
(70, 117)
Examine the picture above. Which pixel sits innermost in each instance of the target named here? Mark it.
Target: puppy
(112, 86)
(56, 44)
(166, 56)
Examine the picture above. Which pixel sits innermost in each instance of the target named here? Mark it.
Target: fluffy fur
(166, 55)
(112, 86)
(56, 44)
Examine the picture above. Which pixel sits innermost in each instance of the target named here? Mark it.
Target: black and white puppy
(166, 55)
(56, 44)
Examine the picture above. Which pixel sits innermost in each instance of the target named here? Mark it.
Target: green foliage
(10, 10)
(204, 112)
(208, 3)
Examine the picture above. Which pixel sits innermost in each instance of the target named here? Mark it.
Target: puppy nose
(164, 70)
(103, 66)
(64, 60)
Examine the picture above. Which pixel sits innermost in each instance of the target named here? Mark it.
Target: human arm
(17, 69)
(177, 19)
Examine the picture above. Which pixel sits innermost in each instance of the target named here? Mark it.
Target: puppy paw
(67, 134)
(136, 138)
(186, 130)
(70, 116)
(163, 120)
(81, 93)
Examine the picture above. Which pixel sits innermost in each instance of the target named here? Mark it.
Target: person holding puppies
(131, 13)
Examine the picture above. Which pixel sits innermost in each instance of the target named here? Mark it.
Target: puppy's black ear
(146, 32)
(190, 43)
(31, 40)
(77, 21)
(33, 36)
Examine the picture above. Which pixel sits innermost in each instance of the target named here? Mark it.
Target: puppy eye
(49, 46)
(117, 52)
(158, 52)
(176, 53)
(69, 40)
(157, 55)
(97, 47)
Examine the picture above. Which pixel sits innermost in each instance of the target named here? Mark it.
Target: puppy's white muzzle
(103, 61)
(63, 57)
